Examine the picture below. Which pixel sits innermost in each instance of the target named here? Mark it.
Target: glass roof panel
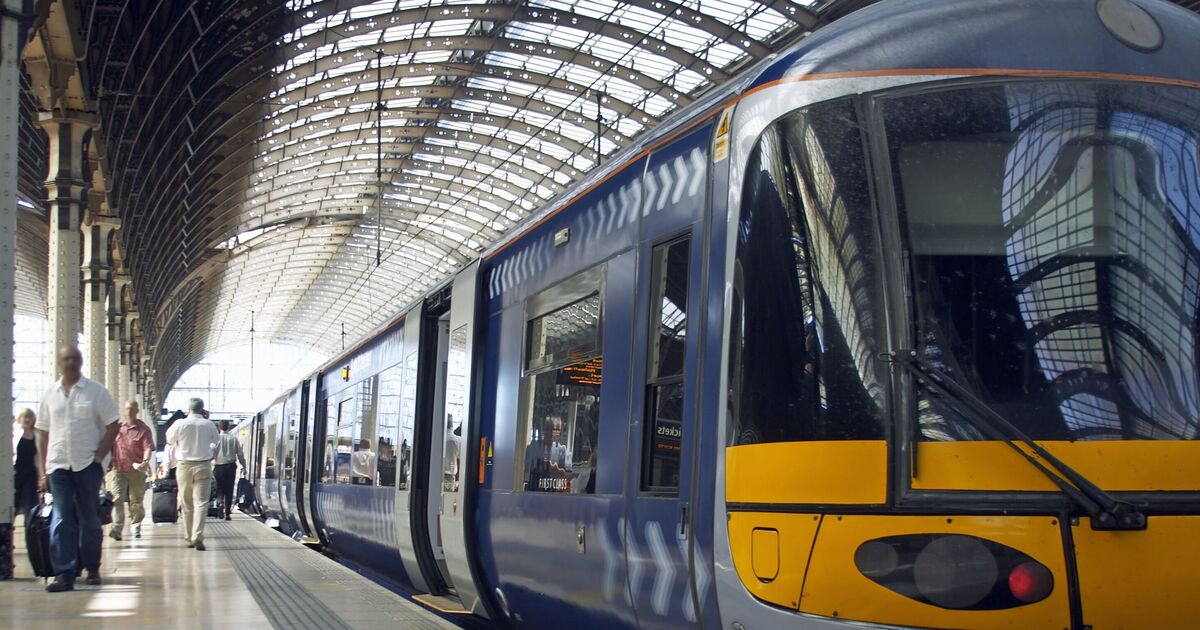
(488, 111)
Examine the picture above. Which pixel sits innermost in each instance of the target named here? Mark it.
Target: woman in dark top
(26, 469)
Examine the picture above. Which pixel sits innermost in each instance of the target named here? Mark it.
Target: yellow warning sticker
(721, 142)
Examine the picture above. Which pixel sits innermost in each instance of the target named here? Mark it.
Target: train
(898, 328)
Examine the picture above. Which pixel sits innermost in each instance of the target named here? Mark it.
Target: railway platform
(250, 577)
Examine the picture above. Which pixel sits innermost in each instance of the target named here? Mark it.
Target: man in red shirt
(127, 477)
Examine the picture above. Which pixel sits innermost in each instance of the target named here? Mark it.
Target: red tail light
(954, 571)
(1030, 582)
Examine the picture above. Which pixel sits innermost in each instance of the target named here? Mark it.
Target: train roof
(1150, 38)
(1007, 37)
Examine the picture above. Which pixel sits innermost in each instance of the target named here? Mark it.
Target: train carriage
(898, 328)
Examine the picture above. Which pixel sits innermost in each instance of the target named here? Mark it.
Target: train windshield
(1053, 232)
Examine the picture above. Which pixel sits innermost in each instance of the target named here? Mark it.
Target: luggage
(245, 495)
(37, 540)
(163, 504)
(105, 507)
(214, 504)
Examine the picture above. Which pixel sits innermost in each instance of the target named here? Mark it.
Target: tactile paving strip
(282, 599)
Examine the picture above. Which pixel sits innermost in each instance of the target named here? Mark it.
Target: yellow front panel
(1148, 579)
(835, 588)
(1112, 465)
(833, 472)
(795, 536)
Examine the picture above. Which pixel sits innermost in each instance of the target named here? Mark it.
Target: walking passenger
(26, 468)
(193, 439)
(76, 427)
(228, 456)
(130, 464)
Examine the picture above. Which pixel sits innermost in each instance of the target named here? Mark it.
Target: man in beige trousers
(131, 453)
(193, 439)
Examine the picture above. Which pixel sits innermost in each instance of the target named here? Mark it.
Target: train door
(458, 436)
(315, 435)
(309, 455)
(658, 537)
(410, 549)
(431, 431)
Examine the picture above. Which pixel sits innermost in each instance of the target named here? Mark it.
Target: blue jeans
(75, 532)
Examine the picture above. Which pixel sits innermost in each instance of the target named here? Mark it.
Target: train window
(291, 428)
(569, 332)
(457, 372)
(408, 412)
(559, 425)
(803, 362)
(391, 381)
(343, 447)
(270, 442)
(363, 456)
(331, 419)
(664, 389)
(1055, 238)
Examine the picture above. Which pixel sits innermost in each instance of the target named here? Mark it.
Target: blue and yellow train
(898, 328)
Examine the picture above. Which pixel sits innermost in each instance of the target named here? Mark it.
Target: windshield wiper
(1106, 512)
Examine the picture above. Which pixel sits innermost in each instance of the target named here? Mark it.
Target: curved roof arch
(244, 139)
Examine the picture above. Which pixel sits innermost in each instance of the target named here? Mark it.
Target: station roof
(240, 143)
(243, 156)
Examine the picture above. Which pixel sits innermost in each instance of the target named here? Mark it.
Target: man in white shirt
(228, 456)
(75, 428)
(193, 439)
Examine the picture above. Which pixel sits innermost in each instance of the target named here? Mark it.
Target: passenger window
(362, 461)
(331, 420)
(408, 410)
(292, 424)
(345, 437)
(664, 387)
(457, 373)
(560, 392)
(270, 443)
(390, 383)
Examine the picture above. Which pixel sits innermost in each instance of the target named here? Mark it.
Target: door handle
(683, 520)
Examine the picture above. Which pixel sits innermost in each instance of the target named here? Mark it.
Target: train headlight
(954, 571)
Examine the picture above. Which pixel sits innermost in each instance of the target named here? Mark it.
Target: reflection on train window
(362, 459)
(390, 383)
(560, 401)
(1054, 231)
(457, 373)
(808, 324)
(270, 442)
(331, 420)
(408, 410)
(291, 428)
(343, 448)
(564, 335)
(664, 388)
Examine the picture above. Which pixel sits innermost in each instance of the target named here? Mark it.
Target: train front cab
(1035, 240)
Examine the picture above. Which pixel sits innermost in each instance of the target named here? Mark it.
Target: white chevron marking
(682, 176)
(699, 166)
(611, 562)
(637, 202)
(689, 611)
(664, 173)
(664, 577)
(651, 192)
(636, 564)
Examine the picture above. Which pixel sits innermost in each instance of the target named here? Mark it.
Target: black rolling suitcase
(245, 495)
(164, 507)
(37, 540)
(214, 505)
